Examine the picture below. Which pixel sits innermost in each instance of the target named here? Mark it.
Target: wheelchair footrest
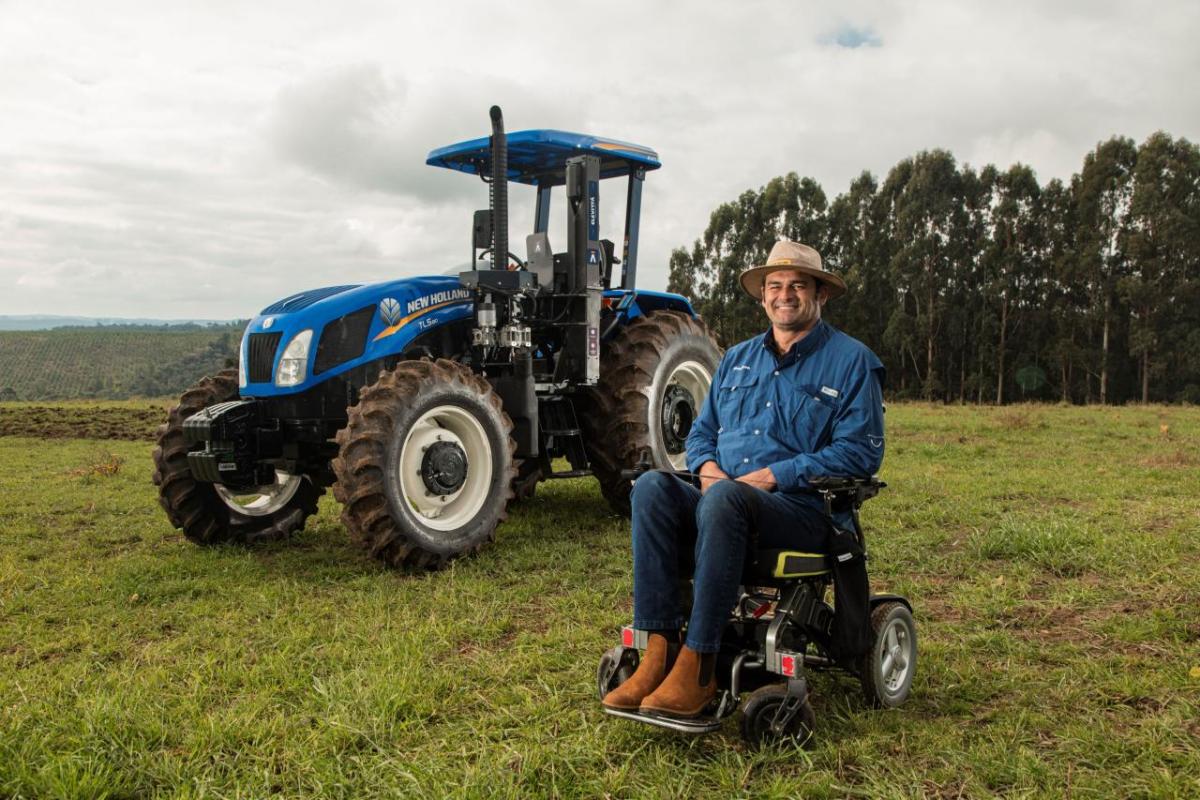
(693, 725)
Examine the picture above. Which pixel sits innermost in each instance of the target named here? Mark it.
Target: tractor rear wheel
(209, 513)
(654, 376)
(425, 467)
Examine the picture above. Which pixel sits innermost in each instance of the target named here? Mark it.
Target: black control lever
(645, 464)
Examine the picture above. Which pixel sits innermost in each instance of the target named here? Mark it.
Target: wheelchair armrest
(832, 482)
(844, 491)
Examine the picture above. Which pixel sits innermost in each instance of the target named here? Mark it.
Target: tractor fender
(631, 304)
(646, 301)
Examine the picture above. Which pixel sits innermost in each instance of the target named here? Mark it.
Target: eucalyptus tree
(924, 199)
(857, 248)
(1103, 193)
(1012, 257)
(1162, 243)
(1065, 305)
(971, 325)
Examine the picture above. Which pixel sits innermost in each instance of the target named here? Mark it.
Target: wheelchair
(782, 625)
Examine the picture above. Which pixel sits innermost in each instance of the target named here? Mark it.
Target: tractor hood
(309, 337)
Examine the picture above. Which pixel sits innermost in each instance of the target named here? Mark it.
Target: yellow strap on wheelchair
(804, 565)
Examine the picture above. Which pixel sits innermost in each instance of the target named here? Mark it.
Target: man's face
(792, 299)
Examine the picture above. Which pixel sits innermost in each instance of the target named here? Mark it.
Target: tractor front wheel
(425, 467)
(209, 513)
(654, 376)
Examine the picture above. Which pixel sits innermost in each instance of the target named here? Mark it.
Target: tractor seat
(771, 566)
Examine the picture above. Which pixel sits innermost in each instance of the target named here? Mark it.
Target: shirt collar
(811, 341)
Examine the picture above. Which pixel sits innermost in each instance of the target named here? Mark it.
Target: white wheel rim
(696, 378)
(261, 501)
(458, 426)
(895, 656)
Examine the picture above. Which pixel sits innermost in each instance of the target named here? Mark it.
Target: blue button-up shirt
(816, 410)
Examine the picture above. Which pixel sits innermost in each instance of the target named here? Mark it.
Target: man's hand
(710, 473)
(760, 479)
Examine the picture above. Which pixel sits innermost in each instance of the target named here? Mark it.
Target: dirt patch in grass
(1032, 500)
(1178, 458)
(84, 422)
(102, 465)
(934, 603)
(1020, 419)
(941, 438)
(1079, 625)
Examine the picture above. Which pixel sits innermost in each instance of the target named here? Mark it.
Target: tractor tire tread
(360, 469)
(617, 407)
(195, 507)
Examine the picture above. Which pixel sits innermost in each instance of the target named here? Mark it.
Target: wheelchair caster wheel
(887, 670)
(617, 665)
(763, 719)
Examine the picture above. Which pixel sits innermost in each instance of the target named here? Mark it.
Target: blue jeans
(677, 533)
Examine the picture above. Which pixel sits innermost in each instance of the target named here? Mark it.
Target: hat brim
(752, 279)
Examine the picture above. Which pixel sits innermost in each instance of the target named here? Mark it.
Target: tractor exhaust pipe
(499, 191)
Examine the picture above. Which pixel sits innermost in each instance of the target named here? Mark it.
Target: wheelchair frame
(777, 630)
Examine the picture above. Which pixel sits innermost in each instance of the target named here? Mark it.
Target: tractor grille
(261, 351)
(343, 339)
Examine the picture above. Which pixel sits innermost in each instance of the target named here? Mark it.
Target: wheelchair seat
(777, 567)
(769, 566)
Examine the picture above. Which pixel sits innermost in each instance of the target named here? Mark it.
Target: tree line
(983, 285)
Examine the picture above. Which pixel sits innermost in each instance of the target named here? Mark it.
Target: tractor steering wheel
(511, 254)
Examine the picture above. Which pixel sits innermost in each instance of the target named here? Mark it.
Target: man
(800, 401)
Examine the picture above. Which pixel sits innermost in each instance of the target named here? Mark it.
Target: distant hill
(112, 362)
(42, 322)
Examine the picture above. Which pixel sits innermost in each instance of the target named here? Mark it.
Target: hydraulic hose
(499, 191)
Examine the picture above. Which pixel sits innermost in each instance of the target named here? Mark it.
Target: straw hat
(791, 255)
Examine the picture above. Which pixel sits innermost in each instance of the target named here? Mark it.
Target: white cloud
(217, 156)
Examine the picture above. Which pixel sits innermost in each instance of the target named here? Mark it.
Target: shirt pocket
(733, 398)
(812, 414)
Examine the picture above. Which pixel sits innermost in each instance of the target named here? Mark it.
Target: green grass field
(1052, 555)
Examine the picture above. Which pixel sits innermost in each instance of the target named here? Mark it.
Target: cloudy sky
(201, 159)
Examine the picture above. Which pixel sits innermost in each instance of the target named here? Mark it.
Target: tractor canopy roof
(540, 156)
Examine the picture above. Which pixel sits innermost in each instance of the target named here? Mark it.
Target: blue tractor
(429, 403)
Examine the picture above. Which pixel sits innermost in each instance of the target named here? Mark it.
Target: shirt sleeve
(701, 441)
(856, 444)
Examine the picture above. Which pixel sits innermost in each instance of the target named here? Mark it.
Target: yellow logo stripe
(628, 148)
(386, 332)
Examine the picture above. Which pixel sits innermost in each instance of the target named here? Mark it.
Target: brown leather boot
(681, 694)
(655, 664)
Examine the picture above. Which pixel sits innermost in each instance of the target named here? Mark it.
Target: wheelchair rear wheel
(759, 725)
(887, 670)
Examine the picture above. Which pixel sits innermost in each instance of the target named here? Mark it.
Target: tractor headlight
(293, 364)
(241, 369)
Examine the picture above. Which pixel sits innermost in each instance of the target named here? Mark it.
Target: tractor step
(570, 473)
(557, 418)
